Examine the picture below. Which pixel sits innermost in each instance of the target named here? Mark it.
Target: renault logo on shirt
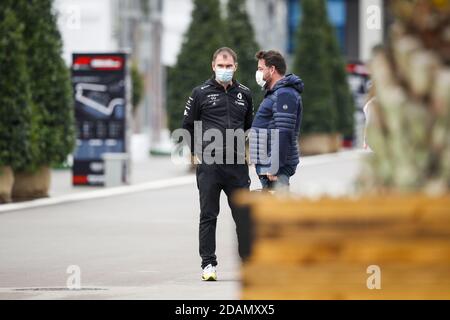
(239, 100)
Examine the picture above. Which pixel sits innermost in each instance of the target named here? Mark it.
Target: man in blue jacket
(274, 136)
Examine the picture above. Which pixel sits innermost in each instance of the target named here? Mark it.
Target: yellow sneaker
(209, 273)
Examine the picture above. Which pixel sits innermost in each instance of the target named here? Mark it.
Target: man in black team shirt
(220, 105)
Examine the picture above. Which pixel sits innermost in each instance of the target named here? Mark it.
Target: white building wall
(269, 20)
(86, 25)
(370, 27)
(176, 19)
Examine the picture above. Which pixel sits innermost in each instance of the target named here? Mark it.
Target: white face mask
(224, 75)
(260, 79)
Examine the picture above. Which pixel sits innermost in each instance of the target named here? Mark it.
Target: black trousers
(211, 180)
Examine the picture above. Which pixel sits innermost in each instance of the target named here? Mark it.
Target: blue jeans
(282, 182)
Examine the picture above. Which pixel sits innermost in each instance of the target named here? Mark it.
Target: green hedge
(52, 124)
(15, 111)
(241, 38)
(328, 104)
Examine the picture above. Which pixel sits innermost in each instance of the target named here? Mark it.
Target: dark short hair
(225, 50)
(273, 58)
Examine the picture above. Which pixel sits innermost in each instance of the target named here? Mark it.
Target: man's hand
(272, 178)
(195, 160)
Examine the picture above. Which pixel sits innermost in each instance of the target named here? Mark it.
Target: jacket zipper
(228, 109)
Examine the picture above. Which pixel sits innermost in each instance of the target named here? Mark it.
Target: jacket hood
(290, 80)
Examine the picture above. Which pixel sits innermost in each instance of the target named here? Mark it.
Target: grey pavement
(142, 170)
(137, 246)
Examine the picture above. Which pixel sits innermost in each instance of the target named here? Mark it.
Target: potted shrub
(52, 120)
(14, 100)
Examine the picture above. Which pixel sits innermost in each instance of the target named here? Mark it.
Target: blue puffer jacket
(281, 109)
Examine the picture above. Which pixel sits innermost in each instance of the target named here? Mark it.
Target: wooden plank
(274, 208)
(348, 212)
(368, 250)
(335, 275)
(318, 232)
(337, 232)
(312, 293)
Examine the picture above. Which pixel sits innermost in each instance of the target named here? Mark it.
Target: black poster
(101, 93)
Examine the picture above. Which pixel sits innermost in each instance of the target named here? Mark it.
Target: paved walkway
(137, 242)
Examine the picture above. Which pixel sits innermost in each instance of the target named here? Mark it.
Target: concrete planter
(29, 186)
(6, 184)
(320, 143)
